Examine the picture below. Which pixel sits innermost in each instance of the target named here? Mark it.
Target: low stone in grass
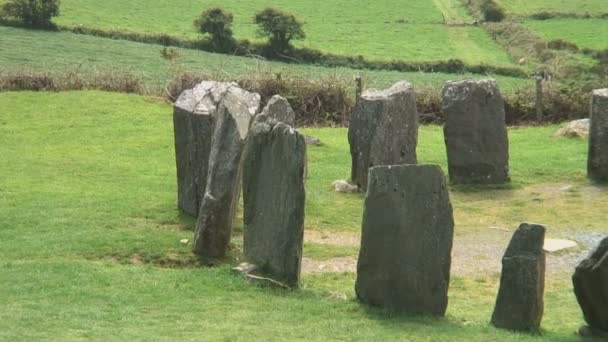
(519, 304)
(405, 257)
(193, 123)
(218, 208)
(590, 282)
(383, 130)
(274, 197)
(597, 165)
(475, 132)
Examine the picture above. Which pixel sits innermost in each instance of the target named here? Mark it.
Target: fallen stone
(408, 227)
(274, 198)
(590, 282)
(597, 165)
(575, 129)
(475, 132)
(556, 245)
(314, 141)
(194, 122)
(218, 208)
(520, 304)
(383, 130)
(344, 187)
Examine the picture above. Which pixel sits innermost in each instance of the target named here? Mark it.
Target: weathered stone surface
(519, 304)
(597, 165)
(475, 132)
(278, 109)
(273, 194)
(591, 287)
(218, 208)
(406, 243)
(193, 123)
(575, 129)
(383, 130)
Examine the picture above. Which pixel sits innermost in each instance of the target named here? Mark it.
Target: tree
(280, 27)
(32, 13)
(218, 24)
(492, 11)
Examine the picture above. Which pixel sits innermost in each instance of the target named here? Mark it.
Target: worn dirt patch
(332, 238)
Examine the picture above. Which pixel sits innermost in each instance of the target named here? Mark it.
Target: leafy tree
(492, 11)
(218, 24)
(280, 27)
(32, 13)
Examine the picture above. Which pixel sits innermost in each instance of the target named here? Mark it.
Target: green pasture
(585, 33)
(528, 7)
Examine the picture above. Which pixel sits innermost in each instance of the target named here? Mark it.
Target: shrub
(560, 44)
(280, 27)
(492, 12)
(32, 13)
(218, 24)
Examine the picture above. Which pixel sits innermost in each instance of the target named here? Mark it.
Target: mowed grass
(527, 7)
(52, 51)
(89, 181)
(586, 33)
(380, 30)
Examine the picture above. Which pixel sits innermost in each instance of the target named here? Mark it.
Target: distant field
(560, 6)
(586, 33)
(410, 30)
(49, 51)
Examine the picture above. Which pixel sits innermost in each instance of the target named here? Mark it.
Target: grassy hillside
(586, 33)
(52, 51)
(381, 30)
(88, 213)
(527, 7)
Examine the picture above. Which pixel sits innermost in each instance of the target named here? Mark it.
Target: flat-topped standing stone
(591, 288)
(193, 124)
(519, 304)
(383, 130)
(475, 132)
(278, 109)
(597, 164)
(218, 208)
(406, 243)
(273, 196)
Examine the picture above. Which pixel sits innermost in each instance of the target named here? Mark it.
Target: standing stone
(383, 130)
(406, 243)
(273, 194)
(218, 208)
(278, 109)
(519, 305)
(475, 132)
(597, 165)
(591, 288)
(193, 123)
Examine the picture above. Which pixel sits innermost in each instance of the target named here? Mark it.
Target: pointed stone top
(398, 88)
(204, 98)
(601, 92)
(279, 109)
(242, 106)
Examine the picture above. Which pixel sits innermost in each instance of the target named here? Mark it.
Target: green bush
(218, 24)
(561, 44)
(280, 27)
(32, 13)
(492, 11)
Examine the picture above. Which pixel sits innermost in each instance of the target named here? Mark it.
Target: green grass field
(586, 33)
(527, 7)
(51, 51)
(89, 183)
(382, 30)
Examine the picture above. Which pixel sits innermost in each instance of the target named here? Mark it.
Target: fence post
(539, 97)
(358, 88)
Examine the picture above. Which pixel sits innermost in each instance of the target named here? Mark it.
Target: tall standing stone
(597, 165)
(475, 132)
(383, 130)
(591, 288)
(406, 243)
(519, 304)
(193, 124)
(218, 208)
(273, 196)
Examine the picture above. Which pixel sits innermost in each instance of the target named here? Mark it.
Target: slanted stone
(597, 164)
(475, 132)
(590, 282)
(519, 304)
(278, 109)
(218, 208)
(193, 123)
(383, 130)
(273, 197)
(408, 228)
